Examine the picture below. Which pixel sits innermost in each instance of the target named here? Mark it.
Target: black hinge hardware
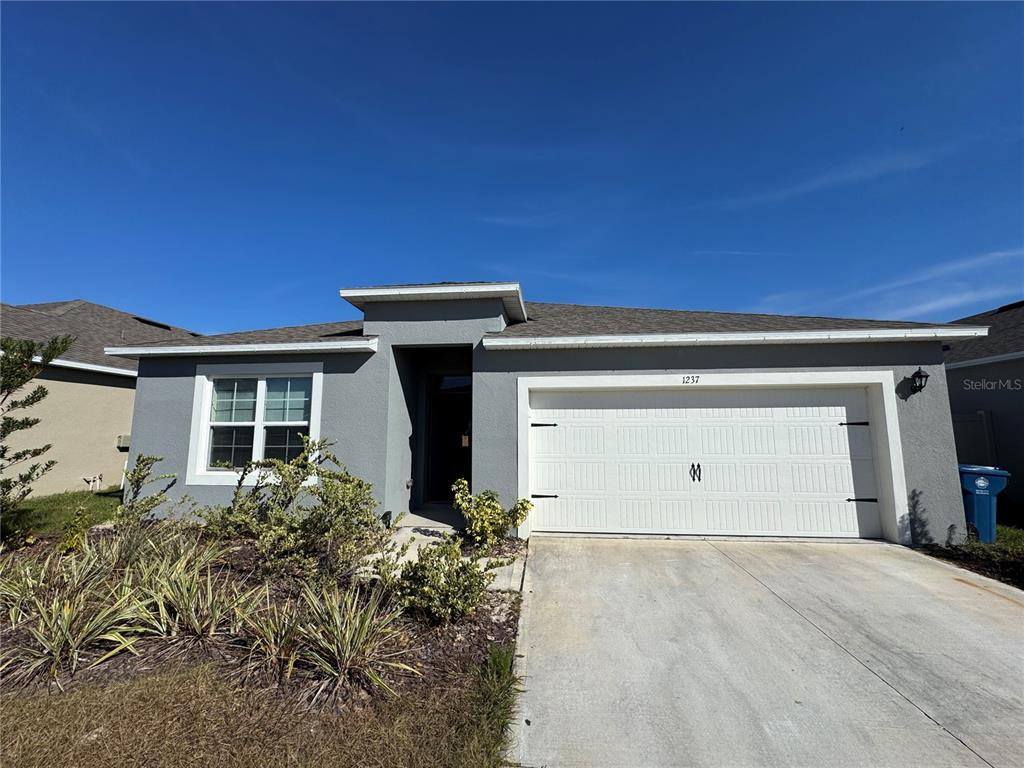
(543, 495)
(540, 424)
(874, 500)
(854, 423)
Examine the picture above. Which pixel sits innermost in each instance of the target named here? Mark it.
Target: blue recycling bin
(980, 486)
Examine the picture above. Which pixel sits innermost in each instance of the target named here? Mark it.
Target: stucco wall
(999, 389)
(81, 417)
(365, 410)
(404, 324)
(353, 414)
(936, 509)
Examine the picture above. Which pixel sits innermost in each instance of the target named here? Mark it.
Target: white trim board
(509, 293)
(196, 472)
(721, 339)
(881, 392)
(61, 363)
(345, 345)
(985, 360)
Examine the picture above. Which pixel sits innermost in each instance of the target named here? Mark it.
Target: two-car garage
(705, 460)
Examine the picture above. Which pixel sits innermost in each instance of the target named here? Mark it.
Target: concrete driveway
(743, 653)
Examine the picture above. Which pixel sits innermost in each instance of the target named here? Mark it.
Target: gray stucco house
(613, 420)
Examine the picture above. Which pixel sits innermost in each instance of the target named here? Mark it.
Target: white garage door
(769, 462)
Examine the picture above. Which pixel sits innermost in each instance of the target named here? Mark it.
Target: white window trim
(198, 473)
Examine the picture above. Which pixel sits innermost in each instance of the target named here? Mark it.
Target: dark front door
(449, 415)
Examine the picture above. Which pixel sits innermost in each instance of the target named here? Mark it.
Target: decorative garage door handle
(695, 472)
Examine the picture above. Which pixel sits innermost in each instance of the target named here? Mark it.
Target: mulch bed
(443, 655)
(987, 560)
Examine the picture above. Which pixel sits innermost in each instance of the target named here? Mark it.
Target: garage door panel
(672, 478)
(633, 476)
(826, 518)
(588, 476)
(762, 479)
(719, 477)
(670, 440)
(775, 462)
(633, 440)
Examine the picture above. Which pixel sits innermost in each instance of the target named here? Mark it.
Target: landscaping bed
(1002, 560)
(291, 628)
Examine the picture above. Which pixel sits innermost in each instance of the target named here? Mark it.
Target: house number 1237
(692, 379)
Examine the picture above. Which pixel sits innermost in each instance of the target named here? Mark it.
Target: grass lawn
(197, 717)
(1003, 560)
(47, 514)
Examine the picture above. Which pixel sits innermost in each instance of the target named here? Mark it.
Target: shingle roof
(94, 327)
(292, 333)
(547, 320)
(1005, 334)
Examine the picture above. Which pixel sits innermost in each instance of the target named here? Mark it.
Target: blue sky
(228, 166)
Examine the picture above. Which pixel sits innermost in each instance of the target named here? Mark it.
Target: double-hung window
(247, 416)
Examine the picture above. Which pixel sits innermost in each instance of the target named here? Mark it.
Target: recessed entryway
(437, 386)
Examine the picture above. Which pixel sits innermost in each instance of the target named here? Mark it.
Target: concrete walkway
(741, 653)
(507, 578)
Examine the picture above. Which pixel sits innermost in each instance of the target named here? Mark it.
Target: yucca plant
(181, 601)
(68, 629)
(276, 637)
(349, 637)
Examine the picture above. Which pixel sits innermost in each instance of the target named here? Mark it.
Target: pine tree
(21, 362)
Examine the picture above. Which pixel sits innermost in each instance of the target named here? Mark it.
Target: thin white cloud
(925, 293)
(857, 171)
(931, 307)
(935, 274)
(736, 253)
(524, 221)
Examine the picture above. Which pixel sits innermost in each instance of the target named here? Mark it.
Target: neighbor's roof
(573, 320)
(1005, 336)
(94, 327)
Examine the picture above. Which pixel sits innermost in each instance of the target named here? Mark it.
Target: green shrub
(486, 520)
(440, 585)
(136, 508)
(346, 638)
(76, 529)
(308, 516)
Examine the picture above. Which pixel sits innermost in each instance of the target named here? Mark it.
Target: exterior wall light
(918, 380)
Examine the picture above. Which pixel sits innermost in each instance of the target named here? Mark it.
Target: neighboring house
(612, 420)
(87, 416)
(986, 395)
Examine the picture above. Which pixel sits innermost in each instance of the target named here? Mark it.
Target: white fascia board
(347, 345)
(509, 293)
(721, 339)
(986, 360)
(61, 363)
